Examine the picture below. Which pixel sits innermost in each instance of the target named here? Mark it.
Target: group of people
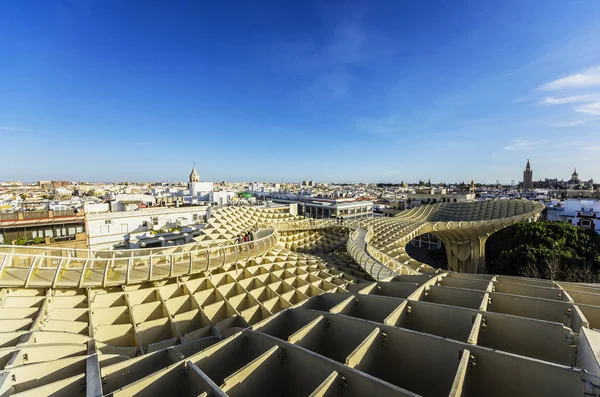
(244, 238)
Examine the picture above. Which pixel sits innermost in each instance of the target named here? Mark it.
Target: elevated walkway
(357, 248)
(377, 245)
(23, 267)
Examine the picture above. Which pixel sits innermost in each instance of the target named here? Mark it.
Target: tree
(553, 268)
(551, 250)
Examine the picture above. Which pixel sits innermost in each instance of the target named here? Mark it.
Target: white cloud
(567, 124)
(588, 78)
(521, 145)
(589, 108)
(570, 99)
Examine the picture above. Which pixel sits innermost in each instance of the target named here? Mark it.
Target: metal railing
(35, 214)
(66, 213)
(11, 216)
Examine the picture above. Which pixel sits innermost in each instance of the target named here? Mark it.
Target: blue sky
(374, 91)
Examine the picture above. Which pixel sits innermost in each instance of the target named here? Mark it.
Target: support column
(466, 256)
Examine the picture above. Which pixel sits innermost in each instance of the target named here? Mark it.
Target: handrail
(118, 270)
(86, 253)
(369, 264)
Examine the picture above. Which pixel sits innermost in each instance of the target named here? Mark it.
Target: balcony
(15, 218)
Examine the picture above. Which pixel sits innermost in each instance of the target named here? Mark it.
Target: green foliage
(537, 249)
(26, 241)
(21, 241)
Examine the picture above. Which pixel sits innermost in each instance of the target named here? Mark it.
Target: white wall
(570, 210)
(416, 198)
(200, 188)
(92, 207)
(222, 197)
(110, 228)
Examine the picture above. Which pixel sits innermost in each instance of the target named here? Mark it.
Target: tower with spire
(194, 184)
(194, 177)
(575, 175)
(527, 177)
(575, 181)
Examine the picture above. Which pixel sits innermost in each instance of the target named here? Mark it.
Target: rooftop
(306, 308)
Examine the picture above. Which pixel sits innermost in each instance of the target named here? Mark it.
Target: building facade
(199, 189)
(144, 228)
(332, 208)
(582, 213)
(393, 208)
(527, 177)
(43, 227)
(435, 196)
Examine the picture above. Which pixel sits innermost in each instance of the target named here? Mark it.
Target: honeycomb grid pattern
(303, 318)
(463, 227)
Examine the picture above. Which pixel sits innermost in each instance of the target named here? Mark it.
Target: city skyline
(345, 92)
(487, 181)
(419, 181)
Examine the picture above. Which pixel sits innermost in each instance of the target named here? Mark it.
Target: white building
(222, 197)
(129, 202)
(144, 228)
(582, 213)
(435, 196)
(199, 189)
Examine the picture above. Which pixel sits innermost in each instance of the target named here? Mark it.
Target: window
(79, 229)
(145, 224)
(195, 217)
(49, 233)
(71, 231)
(104, 229)
(155, 221)
(586, 223)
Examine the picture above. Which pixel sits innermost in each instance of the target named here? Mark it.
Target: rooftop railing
(11, 216)
(28, 215)
(35, 214)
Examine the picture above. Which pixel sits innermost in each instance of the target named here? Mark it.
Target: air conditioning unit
(108, 222)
